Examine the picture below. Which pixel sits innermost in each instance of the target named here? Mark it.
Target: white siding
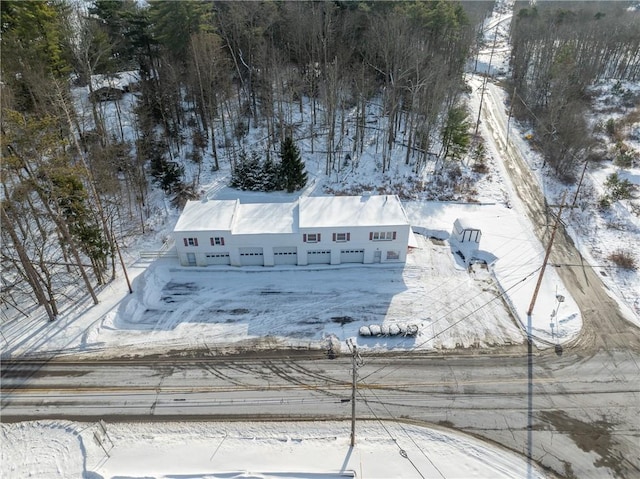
(226, 232)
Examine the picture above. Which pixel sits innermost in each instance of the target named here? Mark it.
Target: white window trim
(382, 236)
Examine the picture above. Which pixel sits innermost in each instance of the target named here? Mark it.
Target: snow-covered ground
(454, 306)
(596, 232)
(452, 303)
(313, 450)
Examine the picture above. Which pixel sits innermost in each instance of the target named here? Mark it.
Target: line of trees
(253, 174)
(209, 72)
(558, 50)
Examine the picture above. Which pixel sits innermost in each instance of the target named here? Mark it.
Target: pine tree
(271, 175)
(292, 168)
(254, 180)
(455, 134)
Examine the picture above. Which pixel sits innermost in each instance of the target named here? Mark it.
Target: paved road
(585, 411)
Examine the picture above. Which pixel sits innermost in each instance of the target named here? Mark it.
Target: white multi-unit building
(312, 230)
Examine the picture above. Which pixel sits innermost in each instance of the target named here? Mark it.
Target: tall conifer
(292, 168)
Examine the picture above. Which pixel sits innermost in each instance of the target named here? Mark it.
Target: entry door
(191, 259)
(377, 256)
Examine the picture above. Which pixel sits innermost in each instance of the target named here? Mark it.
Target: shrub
(618, 189)
(604, 202)
(623, 259)
(610, 127)
(623, 160)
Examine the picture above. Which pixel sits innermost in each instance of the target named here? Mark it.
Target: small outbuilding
(465, 238)
(464, 231)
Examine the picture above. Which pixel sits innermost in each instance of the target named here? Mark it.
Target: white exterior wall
(260, 228)
(464, 233)
(359, 239)
(204, 245)
(265, 241)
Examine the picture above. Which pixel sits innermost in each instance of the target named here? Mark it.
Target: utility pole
(484, 83)
(575, 198)
(356, 361)
(354, 383)
(124, 267)
(530, 344)
(546, 259)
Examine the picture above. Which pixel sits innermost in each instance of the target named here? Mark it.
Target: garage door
(218, 258)
(285, 255)
(352, 256)
(319, 257)
(251, 257)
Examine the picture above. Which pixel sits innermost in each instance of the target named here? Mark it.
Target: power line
(403, 453)
(499, 296)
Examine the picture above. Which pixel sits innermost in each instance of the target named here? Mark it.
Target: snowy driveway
(207, 307)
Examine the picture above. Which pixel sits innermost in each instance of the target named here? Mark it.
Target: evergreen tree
(271, 175)
(34, 52)
(292, 168)
(175, 22)
(455, 134)
(254, 180)
(248, 172)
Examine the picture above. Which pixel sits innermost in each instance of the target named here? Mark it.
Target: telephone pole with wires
(356, 362)
(530, 342)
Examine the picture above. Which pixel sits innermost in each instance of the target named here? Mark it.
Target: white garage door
(218, 258)
(319, 257)
(285, 255)
(352, 256)
(251, 257)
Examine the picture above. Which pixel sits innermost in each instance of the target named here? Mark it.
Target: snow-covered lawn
(313, 450)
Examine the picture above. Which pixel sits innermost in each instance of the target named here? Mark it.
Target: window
(382, 235)
(311, 238)
(341, 237)
(217, 241)
(190, 241)
(393, 255)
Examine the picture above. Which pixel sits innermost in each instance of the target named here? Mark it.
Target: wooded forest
(212, 71)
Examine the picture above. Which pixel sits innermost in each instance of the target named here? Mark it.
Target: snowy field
(196, 450)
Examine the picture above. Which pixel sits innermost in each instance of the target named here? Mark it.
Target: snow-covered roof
(119, 80)
(309, 212)
(327, 211)
(267, 218)
(207, 215)
(465, 223)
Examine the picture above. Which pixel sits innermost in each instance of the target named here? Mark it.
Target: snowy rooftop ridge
(345, 211)
(207, 215)
(307, 212)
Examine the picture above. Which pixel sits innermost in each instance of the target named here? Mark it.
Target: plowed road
(580, 403)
